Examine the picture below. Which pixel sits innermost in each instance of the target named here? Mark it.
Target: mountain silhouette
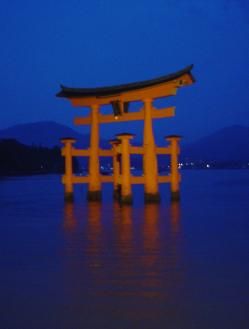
(46, 134)
(227, 144)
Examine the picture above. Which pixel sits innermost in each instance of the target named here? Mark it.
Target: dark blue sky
(95, 43)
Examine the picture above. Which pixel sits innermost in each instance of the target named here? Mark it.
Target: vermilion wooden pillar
(174, 172)
(150, 158)
(68, 177)
(126, 191)
(94, 186)
(116, 168)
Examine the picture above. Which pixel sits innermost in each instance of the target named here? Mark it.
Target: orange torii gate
(120, 97)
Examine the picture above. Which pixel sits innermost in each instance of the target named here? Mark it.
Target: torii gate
(119, 97)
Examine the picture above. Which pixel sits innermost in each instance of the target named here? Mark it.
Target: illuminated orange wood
(80, 153)
(150, 159)
(110, 179)
(163, 150)
(105, 153)
(126, 192)
(174, 173)
(67, 180)
(86, 179)
(80, 179)
(159, 90)
(106, 179)
(119, 97)
(116, 168)
(136, 150)
(133, 116)
(164, 179)
(137, 179)
(94, 186)
(163, 90)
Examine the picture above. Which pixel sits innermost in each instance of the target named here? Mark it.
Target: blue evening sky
(106, 42)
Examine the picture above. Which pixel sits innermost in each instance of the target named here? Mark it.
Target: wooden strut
(132, 116)
(122, 179)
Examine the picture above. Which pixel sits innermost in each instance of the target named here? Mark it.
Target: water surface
(99, 265)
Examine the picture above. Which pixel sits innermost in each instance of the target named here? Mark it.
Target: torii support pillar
(116, 169)
(68, 177)
(126, 191)
(150, 159)
(174, 173)
(94, 186)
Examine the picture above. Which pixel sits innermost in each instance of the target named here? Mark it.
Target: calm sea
(102, 266)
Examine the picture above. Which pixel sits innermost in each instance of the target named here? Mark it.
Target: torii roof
(69, 92)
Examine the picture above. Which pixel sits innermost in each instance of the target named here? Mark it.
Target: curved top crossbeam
(155, 88)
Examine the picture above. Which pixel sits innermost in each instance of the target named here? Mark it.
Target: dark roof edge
(112, 90)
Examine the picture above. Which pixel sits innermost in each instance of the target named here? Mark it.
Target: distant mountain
(230, 144)
(45, 133)
(225, 145)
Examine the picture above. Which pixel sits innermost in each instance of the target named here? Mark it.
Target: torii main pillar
(150, 158)
(94, 186)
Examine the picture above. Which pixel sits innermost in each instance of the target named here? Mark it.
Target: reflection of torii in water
(129, 249)
(119, 97)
